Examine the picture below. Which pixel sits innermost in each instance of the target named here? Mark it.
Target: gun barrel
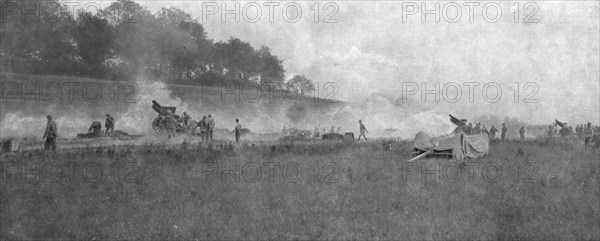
(455, 120)
(424, 154)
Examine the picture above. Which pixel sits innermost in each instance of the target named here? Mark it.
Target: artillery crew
(210, 126)
(186, 119)
(484, 130)
(476, 129)
(50, 135)
(522, 133)
(171, 124)
(504, 130)
(95, 128)
(109, 125)
(203, 128)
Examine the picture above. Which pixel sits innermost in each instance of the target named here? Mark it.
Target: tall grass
(346, 191)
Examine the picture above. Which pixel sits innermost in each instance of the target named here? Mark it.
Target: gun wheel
(157, 126)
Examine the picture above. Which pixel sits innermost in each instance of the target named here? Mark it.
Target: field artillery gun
(160, 125)
(456, 145)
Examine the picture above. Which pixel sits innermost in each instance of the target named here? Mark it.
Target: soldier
(571, 131)
(477, 129)
(238, 130)
(522, 133)
(186, 119)
(485, 130)
(504, 130)
(210, 126)
(493, 132)
(109, 124)
(95, 128)
(363, 130)
(171, 124)
(588, 134)
(469, 129)
(50, 135)
(203, 128)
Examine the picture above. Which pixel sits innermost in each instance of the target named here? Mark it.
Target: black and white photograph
(299, 120)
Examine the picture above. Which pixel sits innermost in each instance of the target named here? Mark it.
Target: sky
(545, 69)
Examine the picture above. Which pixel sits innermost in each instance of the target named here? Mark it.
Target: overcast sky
(370, 53)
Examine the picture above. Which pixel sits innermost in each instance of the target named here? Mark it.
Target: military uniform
(95, 128)
(210, 126)
(203, 128)
(522, 133)
(238, 132)
(50, 135)
(109, 124)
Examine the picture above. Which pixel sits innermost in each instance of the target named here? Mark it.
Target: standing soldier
(485, 130)
(109, 125)
(171, 124)
(589, 132)
(363, 130)
(238, 130)
(493, 132)
(469, 129)
(210, 126)
(477, 129)
(50, 135)
(504, 130)
(522, 133)
(203, 128)
(186, 119)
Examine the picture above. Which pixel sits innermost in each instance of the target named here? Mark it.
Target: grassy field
(312, 190)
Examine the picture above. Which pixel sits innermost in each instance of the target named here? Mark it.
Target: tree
(238, 58)
(93, 36)
(300, 83)
(271, 68)
(36, 45)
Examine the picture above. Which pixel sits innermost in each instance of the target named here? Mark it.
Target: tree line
(125, 40)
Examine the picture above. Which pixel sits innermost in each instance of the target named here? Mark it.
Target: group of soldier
(589, 133)
(51, 132)
(317, 134)
(206, 126)
(469, 129)
(96, 127)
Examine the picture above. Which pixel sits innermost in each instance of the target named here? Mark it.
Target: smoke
(137, 118)
(383, 115)
(26, 119)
